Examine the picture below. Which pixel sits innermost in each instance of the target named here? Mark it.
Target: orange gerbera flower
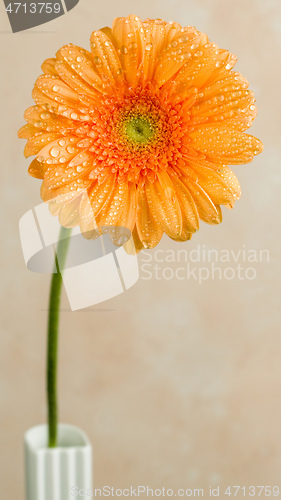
(139, 131)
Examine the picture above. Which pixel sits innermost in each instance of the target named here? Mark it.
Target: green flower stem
(53, 330)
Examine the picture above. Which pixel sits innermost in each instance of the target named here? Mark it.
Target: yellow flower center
(139, 130)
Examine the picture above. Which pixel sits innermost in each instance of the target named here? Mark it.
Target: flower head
(138, 132)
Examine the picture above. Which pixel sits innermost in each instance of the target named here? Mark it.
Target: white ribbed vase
(55, 473)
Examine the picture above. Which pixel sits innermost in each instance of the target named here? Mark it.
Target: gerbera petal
(63, 180)
(121, 231)
(128, 38)
(158, 34)
(48, 67)
(150, 56)
(44, 121)
(54, 208)
(86, 210)
(223, 82)
(88, 225)
(226, 100)
(61, 150)
(200, 66)
(214, 184)
(69, 213)
(148, 230)
(106, 60)
(37, 169)
(178, 52)
(225, 62)
(207, 210)
(134, 245)
(99, 193)
(127, 216)
(57, 90)
(38, 142)
(112, 208)
(33, 115)
(64, 191)
(75, 82)
(164, 205)
(190, 220)
(172, 30)
(161, 31)
(75, 63)
(232, 183)
(26, 131)
(225, 145)
(224, 105)
(49, 193)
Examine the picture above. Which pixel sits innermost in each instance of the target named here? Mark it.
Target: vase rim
(69, 436)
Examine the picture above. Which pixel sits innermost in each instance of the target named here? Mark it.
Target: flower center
(138, 134)
(139, 130)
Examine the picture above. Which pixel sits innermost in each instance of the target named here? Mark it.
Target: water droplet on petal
(45, 116)
(184, 39)
(55, 152)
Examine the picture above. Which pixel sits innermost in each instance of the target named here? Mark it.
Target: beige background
(177, 384)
